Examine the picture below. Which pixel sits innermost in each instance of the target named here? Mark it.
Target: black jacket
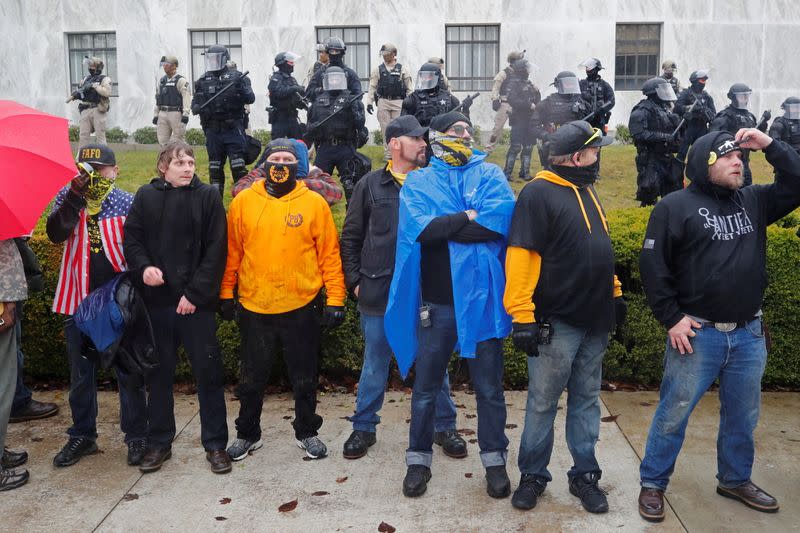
(183, 232)
(704, 251)
(369, 237)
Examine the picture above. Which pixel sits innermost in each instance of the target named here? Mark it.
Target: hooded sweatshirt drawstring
(558, 180)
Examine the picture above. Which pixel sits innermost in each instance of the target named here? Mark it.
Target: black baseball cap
(96, 154)
(404, 125)
(575, 136)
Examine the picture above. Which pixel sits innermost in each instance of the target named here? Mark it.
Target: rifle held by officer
(762, 124)
(466, 103)
(312, 127)
(231, 84)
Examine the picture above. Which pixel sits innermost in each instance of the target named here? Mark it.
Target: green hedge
(634, 356)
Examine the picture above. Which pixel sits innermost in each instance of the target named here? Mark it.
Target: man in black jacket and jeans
(176, 243)
(703, 267)
(368, 244)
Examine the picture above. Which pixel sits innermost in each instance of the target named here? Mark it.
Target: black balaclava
(336, 60)
(281, 178)
(593, 74)
(287, 68)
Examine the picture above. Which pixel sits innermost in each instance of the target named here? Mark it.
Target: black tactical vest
(429, 106)
(564, 108)
(521, 94)
(737, 119)
(390, 82)
(658, 120)
(342, 125)
(89, 94)
(792, 128)
(168, 94)
(282, 80)
(504, 86)
(226, 107)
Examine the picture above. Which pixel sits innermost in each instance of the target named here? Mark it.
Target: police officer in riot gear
(389, 84)
(565, 105)
(787, 127)
(697, 107)
(335, 48)
(499, 97)
(220, 96)
(173, 103)
(522, 97)
(429, 98)
(668, 68)
(285, 98)
(652, 125)
(335, 119)
(93, 91)
(598, 93)
(736, 116)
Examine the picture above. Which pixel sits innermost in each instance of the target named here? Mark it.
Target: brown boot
(220, 461)
(752, 496)
(154, 458)
(651, 504)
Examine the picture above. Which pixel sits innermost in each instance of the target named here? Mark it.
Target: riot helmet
(428, 77)
(216, 57)
(334, 79)
(698, 79)
(515, 55)
(335, 48)
(285, 61)
(592, 67)
(669, 67)
(739, 94)
(659, 89)
(791, 108)
(94, 65)
(566, 82)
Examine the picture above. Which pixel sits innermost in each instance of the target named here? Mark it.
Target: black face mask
(698, 87)
(336, 59)
(281, 178)
(288, 69)
(580, 176)
(593, 74)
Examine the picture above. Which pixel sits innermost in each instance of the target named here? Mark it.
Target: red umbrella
(35, 162)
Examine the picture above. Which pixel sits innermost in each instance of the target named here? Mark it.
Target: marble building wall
(740, 40)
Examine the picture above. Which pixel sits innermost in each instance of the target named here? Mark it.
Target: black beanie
(442, 123)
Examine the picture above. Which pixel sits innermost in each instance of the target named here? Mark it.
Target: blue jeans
(22, 394)
(372, 383)
(436, 345)
(573, 359)
(737, 358)
(83, 393)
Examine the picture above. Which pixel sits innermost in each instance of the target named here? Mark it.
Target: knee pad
(237, 163)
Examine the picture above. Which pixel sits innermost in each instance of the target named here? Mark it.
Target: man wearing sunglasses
(446, 293)
(559, 251)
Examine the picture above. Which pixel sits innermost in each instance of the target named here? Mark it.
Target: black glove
(76, 95)
(370, 109)
(185, 119)
(79, 184)
(227, 308)
(526, 338)
(620, 310)
(496, 105)
(155, 121)
(332, 316)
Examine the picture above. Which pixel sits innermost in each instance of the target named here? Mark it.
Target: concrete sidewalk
(102, 493)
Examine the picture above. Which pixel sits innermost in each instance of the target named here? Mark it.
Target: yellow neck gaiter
(97, 192)
(398, 177)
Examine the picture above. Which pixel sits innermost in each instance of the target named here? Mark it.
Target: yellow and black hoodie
(281, 251)
(559, 251)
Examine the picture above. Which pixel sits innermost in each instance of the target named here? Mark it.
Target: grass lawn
(616, 187)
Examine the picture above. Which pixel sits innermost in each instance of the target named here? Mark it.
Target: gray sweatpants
(8, 378)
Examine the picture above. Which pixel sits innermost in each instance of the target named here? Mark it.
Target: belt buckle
(725, 327)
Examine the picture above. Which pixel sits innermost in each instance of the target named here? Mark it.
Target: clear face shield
(741, 100)
(665, 93)
(334, 81)
(426, 80)
(291, 57)
(589, 64)
(569, 85)
(791, 111)
(215, 61)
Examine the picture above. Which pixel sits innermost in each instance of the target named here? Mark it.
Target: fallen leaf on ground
(408, 420)
(287, 417)
(645, 404)
(320, 493)
(219, 518)
(341, 479)
(461, 406)
(469, 416)
(386, 528)
(225, 501)
(130, 496)
(511, 426)
(466, 431)
(611, 418)
(288, 506)
(473, 441)
(392, 400)
(468, 474)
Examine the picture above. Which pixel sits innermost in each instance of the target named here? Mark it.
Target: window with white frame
(97, 44)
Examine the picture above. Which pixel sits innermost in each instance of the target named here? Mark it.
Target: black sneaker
(11, 479)
(13, 459)
(136, 451)
(451, 442)
(529, 490)
(416, 480)
(592, 496)
(497, 483)
(73, 450)
(357, 444)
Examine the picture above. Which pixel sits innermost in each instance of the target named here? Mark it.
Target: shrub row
(635, 353)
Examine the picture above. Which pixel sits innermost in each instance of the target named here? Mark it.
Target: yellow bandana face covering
(97, 192)
(454, 151)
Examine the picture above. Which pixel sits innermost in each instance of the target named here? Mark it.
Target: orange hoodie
(281, 251)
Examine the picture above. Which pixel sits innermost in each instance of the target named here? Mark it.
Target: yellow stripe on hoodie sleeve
(523, 268)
